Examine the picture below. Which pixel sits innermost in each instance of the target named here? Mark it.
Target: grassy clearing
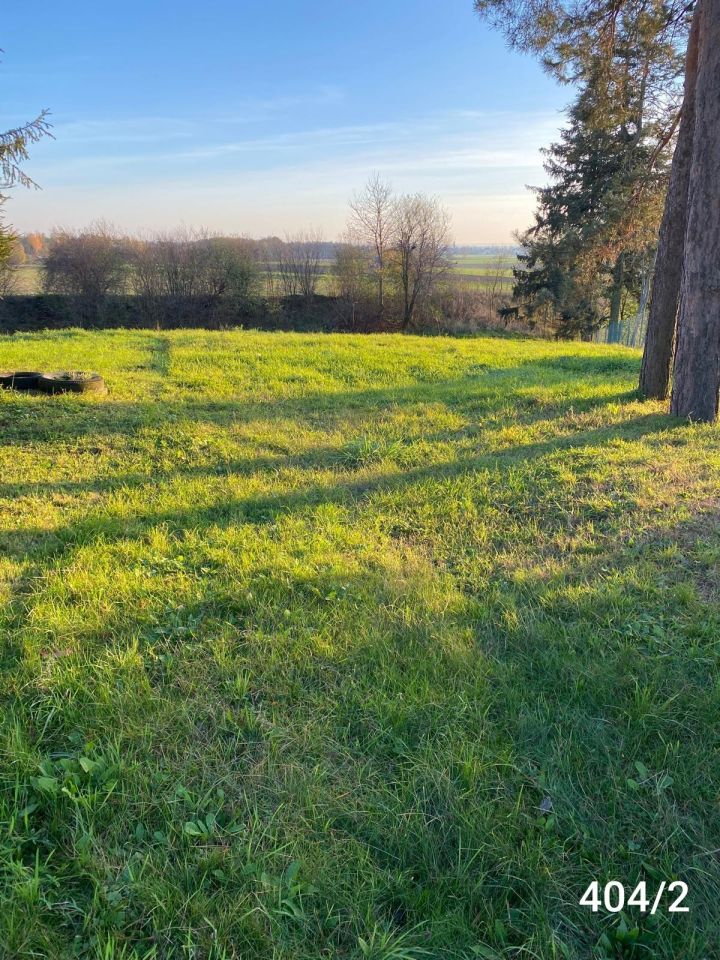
(349, 647)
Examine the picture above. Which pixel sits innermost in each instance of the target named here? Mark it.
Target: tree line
(391, 270)
(629, 220)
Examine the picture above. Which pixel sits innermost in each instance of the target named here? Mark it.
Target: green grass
(483, 269)
(28, 279)
(479, 268)
(302, 635)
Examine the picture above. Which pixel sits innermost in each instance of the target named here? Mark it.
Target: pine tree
(597, 222)
(570, 37)
(14, 146)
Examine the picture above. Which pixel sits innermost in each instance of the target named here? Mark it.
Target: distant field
(480, 269)
(353, 648)
(28, 279)
(484, 269)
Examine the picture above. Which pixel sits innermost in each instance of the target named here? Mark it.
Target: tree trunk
(642, 306)
(615, 326)
(660, 339)
(697, 369)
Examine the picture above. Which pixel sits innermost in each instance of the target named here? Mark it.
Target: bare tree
(267, 253)
(354, 281)
(179, 256)
(178, 275)
(145, 279)
(298, 260)
(496, 282)
(288, 268)
(90, 265)
(373, 223)
(421, 247)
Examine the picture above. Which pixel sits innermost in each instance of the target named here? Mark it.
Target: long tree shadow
(425, 747)
(261, 509)
(332, 456)
(483, 393)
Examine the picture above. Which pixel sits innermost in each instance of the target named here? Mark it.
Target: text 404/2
(614, 897)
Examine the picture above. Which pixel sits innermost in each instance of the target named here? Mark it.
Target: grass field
(353, 647)
(484, 269)
(480, 269)
(28, 279)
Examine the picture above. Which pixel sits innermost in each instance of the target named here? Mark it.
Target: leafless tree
(90, 264)
(267, 253)
(373, 223)
(496, 282)
(354, 281)
(177, 274)
(298, 260)
(421, 251)
(180, 258)
(145, 279)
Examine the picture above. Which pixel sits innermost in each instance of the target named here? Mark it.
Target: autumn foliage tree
(34, 244)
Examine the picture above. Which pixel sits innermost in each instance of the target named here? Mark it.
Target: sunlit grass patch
(322, 646)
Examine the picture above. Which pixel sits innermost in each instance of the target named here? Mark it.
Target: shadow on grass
(328, 457)
(265, 508)
(403, 703)
(432, 756)
(481, 394)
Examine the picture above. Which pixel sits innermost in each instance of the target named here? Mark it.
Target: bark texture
(697, 367)
(662, 320)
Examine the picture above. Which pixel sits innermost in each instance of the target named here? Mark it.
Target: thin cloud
(160, 129)
(137, 130)
(477, 162)
(409, 144)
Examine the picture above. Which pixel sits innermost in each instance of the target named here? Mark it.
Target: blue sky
(258, 118)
